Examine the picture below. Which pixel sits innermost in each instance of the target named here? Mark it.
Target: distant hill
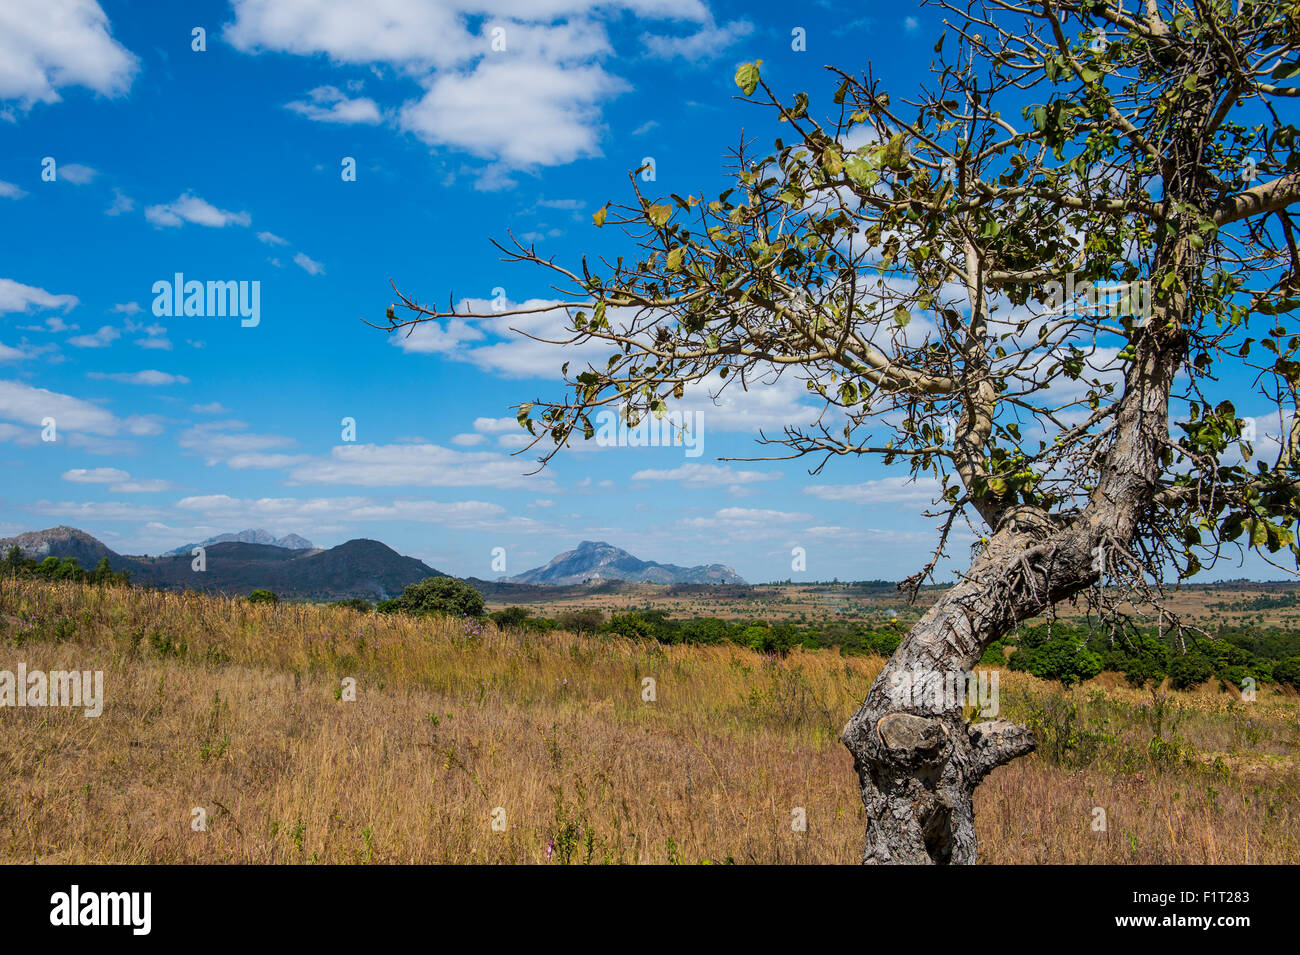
(597, 561)
(358, 568)
(63, 541)
(291, 542)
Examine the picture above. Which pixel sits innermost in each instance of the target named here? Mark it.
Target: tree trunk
(917, 760)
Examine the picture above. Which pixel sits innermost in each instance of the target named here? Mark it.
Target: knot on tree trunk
(912, 739)
(996, 742)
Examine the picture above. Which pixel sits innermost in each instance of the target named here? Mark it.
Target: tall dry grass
(237, 709)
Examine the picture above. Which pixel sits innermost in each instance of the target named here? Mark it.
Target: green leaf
(894, 153)
(598, 216)
(747, 77)
(861, 171)
(674, 261)
(1284, 71)
(659, 214)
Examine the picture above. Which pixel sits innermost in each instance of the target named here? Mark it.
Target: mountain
(63, 541)
(358, 568)
(291, 542)
(596, 561)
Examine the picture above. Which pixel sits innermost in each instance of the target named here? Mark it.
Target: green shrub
(1288, 671)
(263, 597)
(448, 595)
(1189, 669)
(354, 603)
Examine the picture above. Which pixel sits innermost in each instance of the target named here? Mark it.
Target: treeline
(1071, 653)
(766, 637)
(60, 568)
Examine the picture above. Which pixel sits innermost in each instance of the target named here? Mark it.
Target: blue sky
(225, 165)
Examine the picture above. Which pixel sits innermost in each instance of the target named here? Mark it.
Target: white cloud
(270, 238)
(744, 518)
(416, 465)
(95, 475)
(121, 203)
(76, 173)
(9, 191)
(128, 308)
(707, 43)
(225, 510)
(214, 407)
(16, 297)
(106, 335)
(887, 491)
(496, 425)
(48, 45)
(149, 486)
(521, 112)
(120, 481)
(326, 104)
(707, 475)
(536, 102)
(308, 264)
(28, 406)
(226, 442)
(190, 208)
(468, 440)
(150, 377)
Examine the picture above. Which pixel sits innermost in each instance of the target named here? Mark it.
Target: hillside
(358, 568)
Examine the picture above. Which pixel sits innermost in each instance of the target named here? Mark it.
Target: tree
(440, 595)
(261, 596)
(1015, 283)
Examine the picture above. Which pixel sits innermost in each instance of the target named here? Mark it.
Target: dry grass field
(239, 709)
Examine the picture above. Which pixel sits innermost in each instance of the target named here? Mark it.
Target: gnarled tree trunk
(917, 760)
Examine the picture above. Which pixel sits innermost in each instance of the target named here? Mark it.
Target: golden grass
(235, 708)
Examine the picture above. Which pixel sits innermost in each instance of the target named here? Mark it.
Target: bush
(1189, 669)
(511, 618)
(1288, 671)
(354, 603)
(631, 625)
(448, 595)
(581, 621)
(1063, 656)
(263, 597)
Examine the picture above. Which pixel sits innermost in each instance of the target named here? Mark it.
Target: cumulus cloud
(520, 84)
(16, 297)
(705, 44)
(106, 335)
(76, 173)
(415, 465)
(707, 475)
(27, 406)
(326, 104)
(191, 208)
(151, 377)
(228, 442)
(48, 45)
(887, 491)
(308, 264)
